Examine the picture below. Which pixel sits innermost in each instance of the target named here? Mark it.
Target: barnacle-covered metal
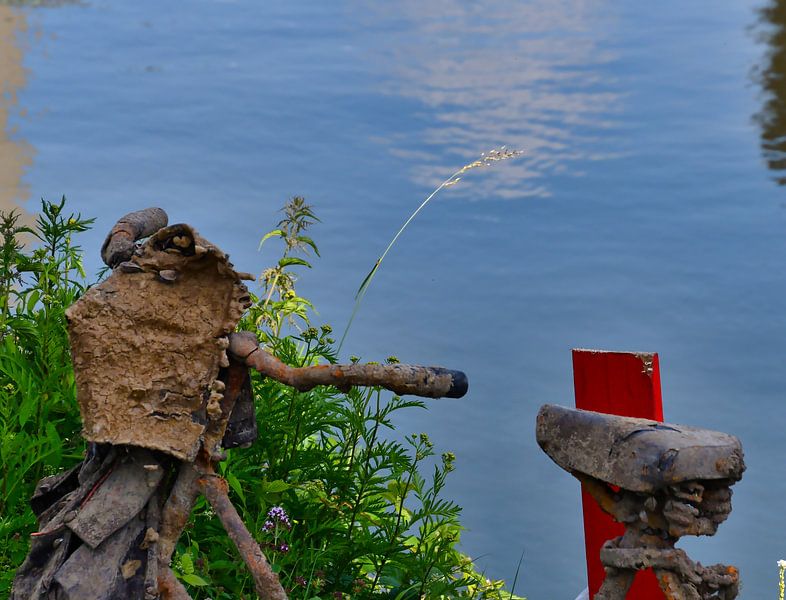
(148, 342)
(662, 481)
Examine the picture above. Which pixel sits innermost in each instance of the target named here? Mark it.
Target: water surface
(646, 214)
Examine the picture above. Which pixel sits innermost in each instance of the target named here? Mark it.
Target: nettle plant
(342, 506)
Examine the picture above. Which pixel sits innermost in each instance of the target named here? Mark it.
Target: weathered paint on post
(625, 384)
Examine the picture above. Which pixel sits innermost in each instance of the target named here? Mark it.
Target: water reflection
(772, 77)
(15, 155)
(529, 75)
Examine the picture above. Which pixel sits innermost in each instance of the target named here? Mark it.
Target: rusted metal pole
(150, 544)
(266, 581)
(176, 512)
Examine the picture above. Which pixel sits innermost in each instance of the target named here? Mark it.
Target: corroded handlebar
(430, 382)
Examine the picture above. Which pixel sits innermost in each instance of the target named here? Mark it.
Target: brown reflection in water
(772, 78)
(531, 75)
(15, 155)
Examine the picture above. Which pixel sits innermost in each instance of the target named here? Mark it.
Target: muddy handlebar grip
(119, 243)
(430, 382)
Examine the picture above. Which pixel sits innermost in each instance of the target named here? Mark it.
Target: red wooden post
(617, 383)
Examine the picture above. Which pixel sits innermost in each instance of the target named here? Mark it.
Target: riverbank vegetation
(343, 505)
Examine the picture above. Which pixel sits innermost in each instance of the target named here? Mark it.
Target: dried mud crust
(147, 343)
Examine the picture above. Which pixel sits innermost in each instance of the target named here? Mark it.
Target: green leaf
(55, 444)
(270, 234)
(235, 485)
(193, 579)
(26, 409)
(223, 565)
(274, 487)
(292, 260)
(308, 241)
(187, 563)
(32, 300)
(367, 279)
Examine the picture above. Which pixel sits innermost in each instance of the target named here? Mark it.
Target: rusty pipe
(431, 382)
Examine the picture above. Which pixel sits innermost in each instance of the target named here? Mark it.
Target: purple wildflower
(284, 547)
(278, 515)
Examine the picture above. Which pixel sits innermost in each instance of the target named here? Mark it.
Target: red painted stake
(617, 383)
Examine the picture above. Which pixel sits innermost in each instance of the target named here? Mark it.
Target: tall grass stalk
(485, 160)
(516, 576)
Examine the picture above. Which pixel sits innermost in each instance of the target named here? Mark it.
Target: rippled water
(647, 213)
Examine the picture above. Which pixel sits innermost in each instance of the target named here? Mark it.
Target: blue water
(646, 213)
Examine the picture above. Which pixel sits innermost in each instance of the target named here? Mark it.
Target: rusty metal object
(241, 430)
(186, 488)
(636, 454)
(236, 382)
(266, 581)
(177, 510)
(662, 482)
(150, 545)
(84, 573)
(126, 489)
(429, 382)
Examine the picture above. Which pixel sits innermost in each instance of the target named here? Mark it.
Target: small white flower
(782, 564)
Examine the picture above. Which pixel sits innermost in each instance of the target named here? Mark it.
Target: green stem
(364, 480)
(399, 511)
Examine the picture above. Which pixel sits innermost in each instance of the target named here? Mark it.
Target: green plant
(281, 303)
(39, 418)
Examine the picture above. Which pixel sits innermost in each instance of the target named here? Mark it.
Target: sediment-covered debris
(163, 386)
(662, 481)
(148, 342)
(96, 526)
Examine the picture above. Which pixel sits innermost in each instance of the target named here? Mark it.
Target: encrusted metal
(662, 482)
